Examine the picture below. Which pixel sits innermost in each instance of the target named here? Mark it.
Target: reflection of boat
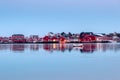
(112, 41)
(77, 45)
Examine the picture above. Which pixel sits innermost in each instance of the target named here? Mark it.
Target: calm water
(58, 62)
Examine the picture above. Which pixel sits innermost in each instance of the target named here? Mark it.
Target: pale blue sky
(39, 17)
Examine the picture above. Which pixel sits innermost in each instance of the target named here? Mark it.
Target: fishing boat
(78, 46)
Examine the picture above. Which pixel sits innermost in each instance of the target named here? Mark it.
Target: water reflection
(87, 47)
(17, 47)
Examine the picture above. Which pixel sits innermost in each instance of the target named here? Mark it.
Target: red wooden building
(87, 37)
(18, 38)
(46, 39)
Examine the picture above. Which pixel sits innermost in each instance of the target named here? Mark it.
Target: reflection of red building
(47, 47)
(17, 47)
(53, 47)
(62, 40)
(88, 48)
(34, 47)
(62, 47)
(4, 47)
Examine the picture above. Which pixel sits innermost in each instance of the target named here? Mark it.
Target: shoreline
(56, 42)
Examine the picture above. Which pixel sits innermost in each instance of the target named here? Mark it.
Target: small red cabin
(46, 39)
(62, 40)
(1, 38)
(5, 40)
(18, 38)
(54, 39)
